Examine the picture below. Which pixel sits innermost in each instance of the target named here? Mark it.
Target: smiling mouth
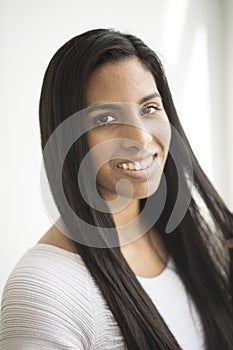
(138, 165)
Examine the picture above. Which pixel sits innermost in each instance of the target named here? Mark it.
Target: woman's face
(130, 139)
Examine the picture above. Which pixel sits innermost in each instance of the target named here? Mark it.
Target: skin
(126, 81)
(229, 243)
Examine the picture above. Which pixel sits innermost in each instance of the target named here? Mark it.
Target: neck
(134, 235)
(127, 214)
(130, 228)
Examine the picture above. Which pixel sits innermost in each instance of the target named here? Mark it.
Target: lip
(140, 174)
(154, 154)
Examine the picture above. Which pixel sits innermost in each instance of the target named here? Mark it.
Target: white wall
(227, 179)
(193, 39)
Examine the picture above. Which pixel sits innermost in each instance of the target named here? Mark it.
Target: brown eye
(104, 119)
(150, 109)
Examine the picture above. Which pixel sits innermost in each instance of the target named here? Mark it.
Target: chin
(140, 193)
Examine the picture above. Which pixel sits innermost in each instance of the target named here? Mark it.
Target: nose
(135, 137)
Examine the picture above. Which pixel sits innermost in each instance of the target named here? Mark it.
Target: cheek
(92, 139)
(167, 137)
(94, 144)
(162, 133)
(100, 151)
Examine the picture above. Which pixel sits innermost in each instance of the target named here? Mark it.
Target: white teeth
(143, 164)
(137, 165)
(131, 166)
(149, 161)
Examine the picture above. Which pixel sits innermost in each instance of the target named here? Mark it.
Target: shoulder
(47, 299)
(57, 236)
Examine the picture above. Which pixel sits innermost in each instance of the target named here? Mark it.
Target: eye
(104, 119)
(151, 109)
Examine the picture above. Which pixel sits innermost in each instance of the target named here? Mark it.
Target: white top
(50, 301)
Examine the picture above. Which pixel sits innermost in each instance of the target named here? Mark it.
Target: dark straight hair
(196, 245)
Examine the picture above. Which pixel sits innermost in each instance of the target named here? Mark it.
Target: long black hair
(197, 247)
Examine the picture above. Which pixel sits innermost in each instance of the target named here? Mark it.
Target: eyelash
(152, 106)
(96, 120)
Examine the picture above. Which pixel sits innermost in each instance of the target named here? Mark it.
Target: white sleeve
(42, 311)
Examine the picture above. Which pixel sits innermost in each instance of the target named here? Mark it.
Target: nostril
(155, 155)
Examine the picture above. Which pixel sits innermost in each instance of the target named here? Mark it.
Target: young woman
(140, 261)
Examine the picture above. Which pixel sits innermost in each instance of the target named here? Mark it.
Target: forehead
(126, 80)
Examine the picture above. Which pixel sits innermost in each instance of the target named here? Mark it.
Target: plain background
(193, 39)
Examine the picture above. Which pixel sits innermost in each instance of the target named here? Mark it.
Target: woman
(121, 285)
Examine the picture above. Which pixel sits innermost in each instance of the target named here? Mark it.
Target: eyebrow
(146, 98)
(103, 106)
(114, 106)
